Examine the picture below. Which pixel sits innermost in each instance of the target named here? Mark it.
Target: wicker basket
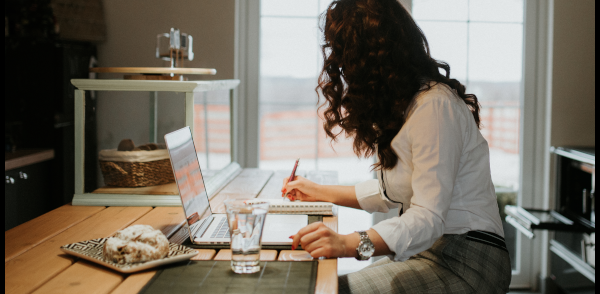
(136, 168)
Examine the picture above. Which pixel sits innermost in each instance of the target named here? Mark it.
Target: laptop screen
(189, 178)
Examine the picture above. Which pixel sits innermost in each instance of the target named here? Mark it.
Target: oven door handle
(529, 234)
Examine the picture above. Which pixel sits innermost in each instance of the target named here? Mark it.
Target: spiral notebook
(279, 206)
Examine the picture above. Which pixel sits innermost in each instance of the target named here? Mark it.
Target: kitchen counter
(26, 157)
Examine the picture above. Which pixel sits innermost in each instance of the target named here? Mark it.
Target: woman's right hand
(301, 189)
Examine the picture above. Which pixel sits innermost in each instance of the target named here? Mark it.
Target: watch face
(367, 249)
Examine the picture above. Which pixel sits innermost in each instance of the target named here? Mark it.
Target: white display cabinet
(163, 195)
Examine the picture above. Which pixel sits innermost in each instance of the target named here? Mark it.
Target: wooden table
(33, 261)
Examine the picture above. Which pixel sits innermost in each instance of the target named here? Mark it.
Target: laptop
(206, 227)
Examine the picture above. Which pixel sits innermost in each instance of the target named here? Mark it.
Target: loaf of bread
(137, 243)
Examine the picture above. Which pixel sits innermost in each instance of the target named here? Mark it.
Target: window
(482, 41)
(212, 130)
(290, 62)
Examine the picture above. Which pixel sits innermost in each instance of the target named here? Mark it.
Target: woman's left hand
(319, 240)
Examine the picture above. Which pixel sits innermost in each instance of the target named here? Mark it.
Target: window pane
(495, 52)
(289, 125)
(495, 72)
(448, 43)
(492, 58)
(308, 8)
(211, 129)
(440, 10)
(340, 156)
(288, 132)
(500, 127)
(323, 4)
(494, 10)
(289, 47)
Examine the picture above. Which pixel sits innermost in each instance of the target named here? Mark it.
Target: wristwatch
(365, 247)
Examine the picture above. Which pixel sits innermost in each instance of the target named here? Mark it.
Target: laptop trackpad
(279, 227)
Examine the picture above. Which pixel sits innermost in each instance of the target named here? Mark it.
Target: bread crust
(135, 244)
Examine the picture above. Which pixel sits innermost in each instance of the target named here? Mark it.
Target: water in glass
(246, 221)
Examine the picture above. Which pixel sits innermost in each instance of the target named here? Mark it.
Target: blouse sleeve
(435, 136)
(370, 198)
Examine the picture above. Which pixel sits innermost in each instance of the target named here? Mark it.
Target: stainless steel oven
(573, 222)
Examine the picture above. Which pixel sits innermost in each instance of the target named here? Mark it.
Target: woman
(383, 89)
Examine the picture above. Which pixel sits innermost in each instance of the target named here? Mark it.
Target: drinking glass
(246, 221)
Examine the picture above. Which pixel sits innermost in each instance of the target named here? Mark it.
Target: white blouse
(441, 183)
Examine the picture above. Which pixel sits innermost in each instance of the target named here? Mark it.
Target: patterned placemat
(92, 250)
(212, 276)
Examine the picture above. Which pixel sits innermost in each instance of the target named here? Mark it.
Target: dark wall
(39, 105)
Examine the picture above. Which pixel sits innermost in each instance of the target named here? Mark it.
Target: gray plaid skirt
(454, 264)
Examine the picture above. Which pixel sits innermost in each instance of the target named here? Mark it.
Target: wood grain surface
(272, 189)
(166, 219)
(294, 255)
(249, 182)
(33, 268)
(217, 204)
(34, 262)
(265, 255)
(205, 254)
(331, 222)
(83, 277)
(28, 235)
(155, 77)
(156, 70)
(134, 283)
(166, 189)
(323, 177)
(26, 157)
(327, 278)
(246, 185)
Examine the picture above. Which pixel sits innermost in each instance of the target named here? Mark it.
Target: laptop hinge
(200, 232)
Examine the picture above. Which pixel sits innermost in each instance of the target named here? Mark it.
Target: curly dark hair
(376, 59)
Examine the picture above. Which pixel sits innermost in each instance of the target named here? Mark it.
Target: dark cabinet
(28, 193)
(39, 105)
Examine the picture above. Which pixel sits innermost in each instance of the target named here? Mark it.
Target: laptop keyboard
(222, 229)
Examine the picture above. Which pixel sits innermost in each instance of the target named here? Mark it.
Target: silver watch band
(363, 235)
(365, 247)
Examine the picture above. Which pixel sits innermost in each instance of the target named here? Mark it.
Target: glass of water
(246, 221)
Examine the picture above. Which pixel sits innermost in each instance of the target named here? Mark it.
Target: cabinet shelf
(166, 189)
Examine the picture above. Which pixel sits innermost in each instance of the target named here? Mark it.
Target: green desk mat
(188, 242)
(211, 276)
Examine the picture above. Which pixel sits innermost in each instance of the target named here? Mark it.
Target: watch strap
(364, 238)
